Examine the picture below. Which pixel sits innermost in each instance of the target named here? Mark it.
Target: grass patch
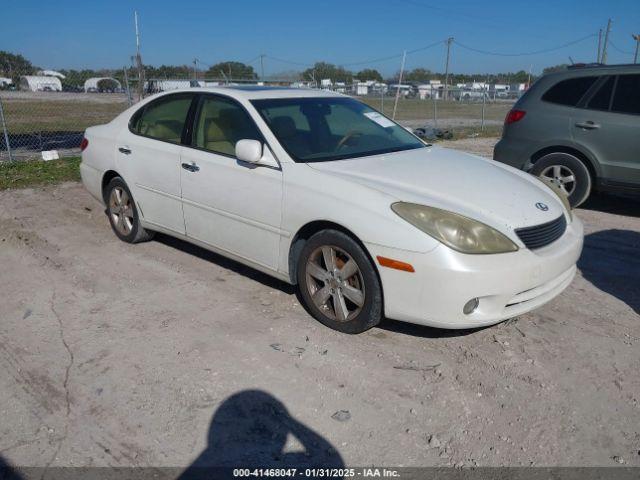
(22, 174)
(416, 109)
(42, 115)
(469, 132)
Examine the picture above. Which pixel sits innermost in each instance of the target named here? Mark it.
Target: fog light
(470, 306)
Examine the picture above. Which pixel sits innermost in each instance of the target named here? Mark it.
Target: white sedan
(323, 192)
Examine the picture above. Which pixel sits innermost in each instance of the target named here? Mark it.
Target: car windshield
(333, 128)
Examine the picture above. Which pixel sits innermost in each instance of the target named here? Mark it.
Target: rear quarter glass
(569, 91)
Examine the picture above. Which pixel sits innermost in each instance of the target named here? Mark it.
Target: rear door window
(163, 119)
(602, 98)
(627, 95)
(570, 91)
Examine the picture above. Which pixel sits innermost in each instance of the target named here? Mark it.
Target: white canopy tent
(37, 83)
(92, 83)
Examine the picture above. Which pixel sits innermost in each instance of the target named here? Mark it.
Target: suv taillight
(514, 116)
(84, 144)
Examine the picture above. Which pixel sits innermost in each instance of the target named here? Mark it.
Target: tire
(123, 213)
(355, 292)
(559, 167)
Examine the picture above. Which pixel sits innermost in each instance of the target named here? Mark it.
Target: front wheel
(338, 283)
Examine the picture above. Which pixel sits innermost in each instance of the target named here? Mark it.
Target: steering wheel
(348, 136)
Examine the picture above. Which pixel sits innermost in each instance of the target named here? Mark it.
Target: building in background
(433, 89)
(40, 83)
(102, 84)
(50, 73)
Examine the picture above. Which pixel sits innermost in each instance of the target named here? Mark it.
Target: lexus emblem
(542, 206)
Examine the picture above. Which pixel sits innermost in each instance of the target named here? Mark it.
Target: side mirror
(249, 151)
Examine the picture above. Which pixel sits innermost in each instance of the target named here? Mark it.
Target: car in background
(321, 191)
(580, 128)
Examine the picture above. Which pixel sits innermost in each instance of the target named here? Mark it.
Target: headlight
(564, 198)
(456, 231)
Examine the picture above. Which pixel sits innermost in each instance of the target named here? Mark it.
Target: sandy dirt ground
(482, 146)
(164, 354)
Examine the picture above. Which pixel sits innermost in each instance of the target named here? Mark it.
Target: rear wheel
(123, 213)
(338, 283)
(568, 172)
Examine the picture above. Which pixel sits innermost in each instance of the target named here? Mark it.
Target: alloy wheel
(335, 283)
(561, 176)
(121, 210)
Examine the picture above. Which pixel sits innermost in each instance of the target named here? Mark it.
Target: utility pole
(446, 69)
(195, 69)
(126, 84)
(395, 105)
(599, 45)
(637, 39)
(139, 60)
(262, 67)
(603, 59)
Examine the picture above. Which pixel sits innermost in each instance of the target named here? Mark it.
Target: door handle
(192, 167)
(125, 150)
(588, 125)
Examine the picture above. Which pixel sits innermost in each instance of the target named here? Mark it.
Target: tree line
(15, 65)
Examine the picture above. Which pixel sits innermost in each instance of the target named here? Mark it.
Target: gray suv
(580, 128)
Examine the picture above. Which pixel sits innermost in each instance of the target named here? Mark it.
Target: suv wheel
(568, 172)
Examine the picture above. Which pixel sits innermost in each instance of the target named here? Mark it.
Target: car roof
(596, 69)
(254, 92)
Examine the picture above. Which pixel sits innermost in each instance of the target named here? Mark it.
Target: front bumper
(507, 285)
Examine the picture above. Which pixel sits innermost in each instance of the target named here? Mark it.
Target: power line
(288, 61)
(373, 60)
(362, 62)
(523, 54)
(619, 50)
(419, 49)
(253, 60)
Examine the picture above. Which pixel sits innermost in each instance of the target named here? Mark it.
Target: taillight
(84, 144)
(514, 116)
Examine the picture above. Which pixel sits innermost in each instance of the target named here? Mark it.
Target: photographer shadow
(251, 430)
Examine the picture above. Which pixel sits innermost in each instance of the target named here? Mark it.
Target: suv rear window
(627, 96)
(570, 91)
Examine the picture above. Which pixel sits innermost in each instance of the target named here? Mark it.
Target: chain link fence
(45, 115)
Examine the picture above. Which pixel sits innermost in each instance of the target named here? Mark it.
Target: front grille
(542, 235)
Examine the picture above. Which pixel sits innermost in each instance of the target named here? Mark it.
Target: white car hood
(478, 188)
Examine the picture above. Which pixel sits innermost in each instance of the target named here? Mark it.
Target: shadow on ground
(627, 205)
(423, 331)
(224, 262)
(236, 267)
(250, 430)
(611, 262)
(7, 472)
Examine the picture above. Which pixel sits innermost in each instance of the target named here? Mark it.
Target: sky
(294, 33)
